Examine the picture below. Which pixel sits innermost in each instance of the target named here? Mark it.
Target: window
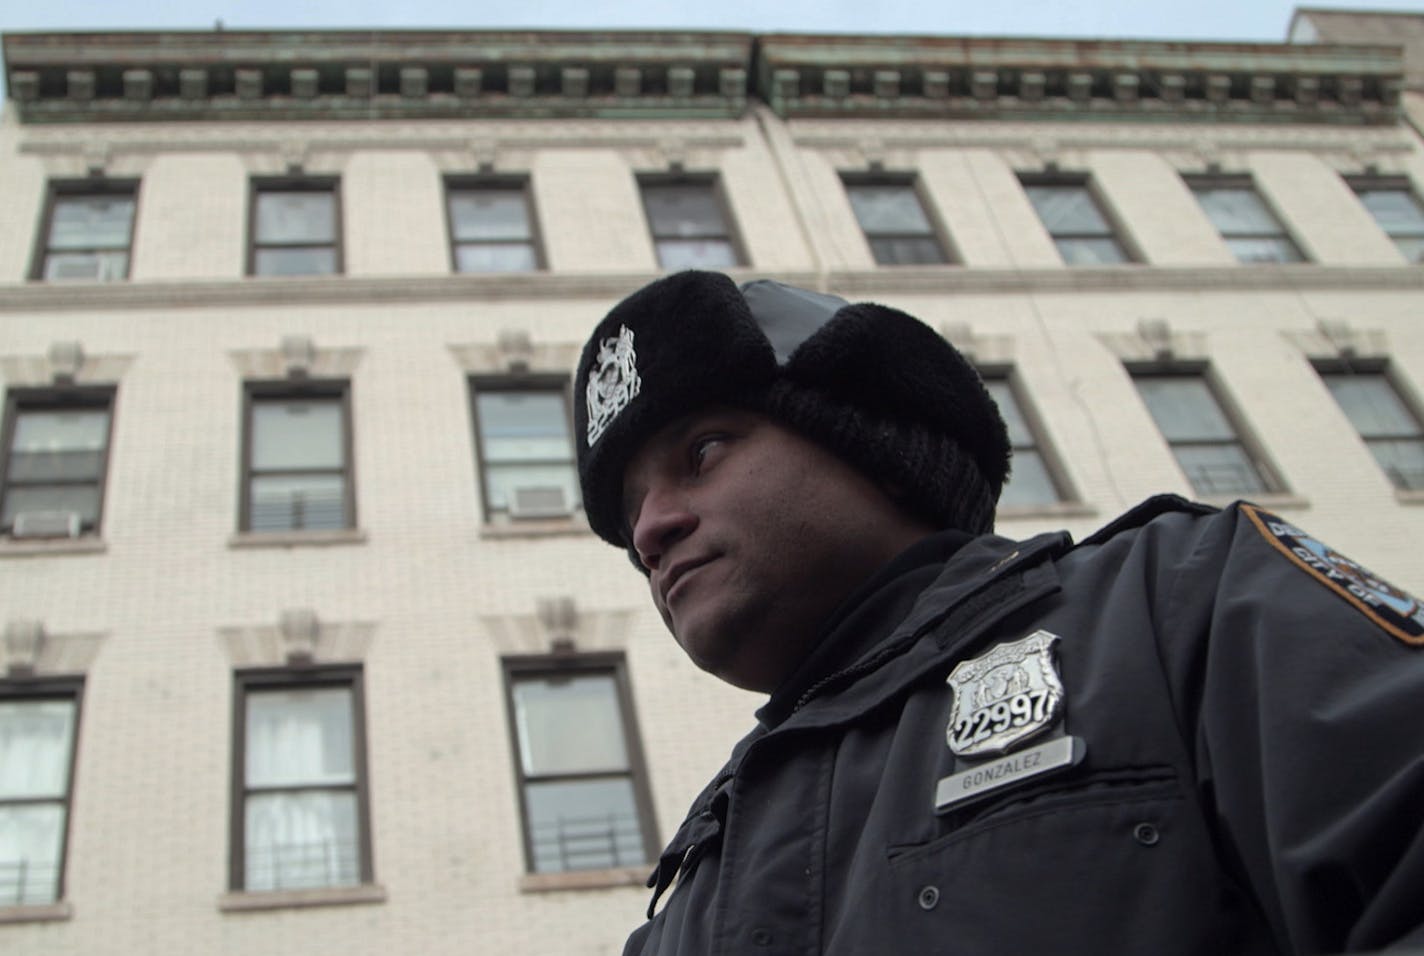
(299, 807)
(1204, 440)
(295, 228)
(895, 224)
(688, 224)
(1074, 219)
(88, 230)
(1031, 484)
(582, 789)
(1388, 426)
(1250, 230)
(526, 449)
(297, 454)
(1397, 210)
(56, 450)
(490, 228)
(37, 732)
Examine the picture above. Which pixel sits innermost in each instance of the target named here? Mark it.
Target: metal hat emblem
(613, 383)
(1004, 696)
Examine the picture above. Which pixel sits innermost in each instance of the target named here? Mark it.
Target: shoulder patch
(1395, 612)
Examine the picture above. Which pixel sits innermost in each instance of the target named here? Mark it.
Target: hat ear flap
(897, 368)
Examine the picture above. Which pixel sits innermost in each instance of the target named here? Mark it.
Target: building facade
(307, 647)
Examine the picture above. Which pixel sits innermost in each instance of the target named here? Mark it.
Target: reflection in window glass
(1399, 214)
(1029, 483)
(1390, 429)
(300, 816)
(688, 227)
(88, 236)
(1250, 230)
(526, 452)
(895, 224)
(297, 470)
(490, 229)
(55, 462)
(1203, 439)
(581, 807)
(36, 750)
(294, 232)
(1079, 230)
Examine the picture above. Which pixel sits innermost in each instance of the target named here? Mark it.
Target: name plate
(1006, 771)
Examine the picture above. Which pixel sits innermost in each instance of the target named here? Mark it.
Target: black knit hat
(877, 387)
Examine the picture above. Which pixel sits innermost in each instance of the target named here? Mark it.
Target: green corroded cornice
(334, 75)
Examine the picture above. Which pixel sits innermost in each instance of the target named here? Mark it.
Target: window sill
(36, 913)
(535, 527)
(1409, 496)
(240, 901)
(296, 539)
(22, 548)
(1279, 501)
(584, 879)
(1058, 509)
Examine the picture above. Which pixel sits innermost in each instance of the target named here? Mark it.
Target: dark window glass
(895, 224)
(37, 733)
(298, 475)
(1203, 439)
(688, 226)
(490, 229)
(55, 457)
(585, 806)
(1072, 217)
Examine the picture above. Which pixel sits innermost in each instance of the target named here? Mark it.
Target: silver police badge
(1005, 696)
(613, 383)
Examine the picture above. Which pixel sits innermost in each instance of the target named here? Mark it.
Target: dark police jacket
(1234, 762)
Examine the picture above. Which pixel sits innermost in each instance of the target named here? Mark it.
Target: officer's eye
(704, 448)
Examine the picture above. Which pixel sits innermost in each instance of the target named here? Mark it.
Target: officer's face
(753, 535)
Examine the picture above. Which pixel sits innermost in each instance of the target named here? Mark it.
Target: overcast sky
(1257, 20)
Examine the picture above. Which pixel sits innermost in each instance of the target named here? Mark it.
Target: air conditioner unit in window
(538, 502)
(102, 268)
(46, 524)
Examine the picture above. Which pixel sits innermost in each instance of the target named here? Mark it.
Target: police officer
(1197, 731)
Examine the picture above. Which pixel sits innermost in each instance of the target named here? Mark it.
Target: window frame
(295, 390)
(570, 664)
(1243, 436)
(1088, 184)
(247, 680)
(1383, 369)
(52, 688)
(1033, 423)
(1364, 183)
(528, 382)
(58, 189)
(937, 234)
(260, 185)
(18, 400)
(1197, 183)
(521, 184)
(710, 181)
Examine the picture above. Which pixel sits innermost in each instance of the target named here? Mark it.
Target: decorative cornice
(903, 280)
(368, 75)
(350, 75)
